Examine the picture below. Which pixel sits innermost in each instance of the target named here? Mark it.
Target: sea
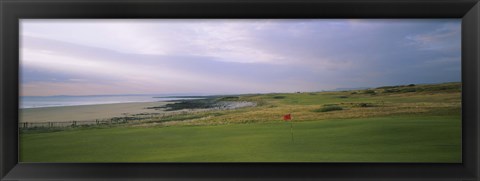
(57, 101)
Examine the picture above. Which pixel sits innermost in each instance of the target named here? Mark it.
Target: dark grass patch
(328, 108)
(448, 87)
(330, 105)
(364, 104)
(409, 90)
(190, 104)
(279, 97)
(402, 90)
(369, 92)
(229, 98)
(342, 97)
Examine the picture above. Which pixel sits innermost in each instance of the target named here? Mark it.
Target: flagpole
(291, 131)
(288, 117)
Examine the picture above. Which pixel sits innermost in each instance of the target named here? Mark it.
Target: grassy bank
(412, 123)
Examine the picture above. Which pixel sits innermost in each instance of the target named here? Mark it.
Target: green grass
(392, 139)
(392, 126)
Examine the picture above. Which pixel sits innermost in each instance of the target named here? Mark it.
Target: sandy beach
(86, 112)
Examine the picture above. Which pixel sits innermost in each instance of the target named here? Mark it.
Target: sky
(233, 56)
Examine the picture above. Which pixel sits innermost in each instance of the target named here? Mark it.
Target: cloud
(233, 56)
(147, 73)
(444, 38)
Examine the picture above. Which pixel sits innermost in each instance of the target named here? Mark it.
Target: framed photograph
(239, 90)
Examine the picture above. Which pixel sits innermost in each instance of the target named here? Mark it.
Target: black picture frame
(13, 10)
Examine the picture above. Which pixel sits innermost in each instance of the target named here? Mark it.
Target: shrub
(411, 85)
(342, 97)
(278, 97)
(354, 93)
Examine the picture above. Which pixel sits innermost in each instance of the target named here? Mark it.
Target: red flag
(287, 117)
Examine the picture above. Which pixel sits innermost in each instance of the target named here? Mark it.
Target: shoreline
(93, 104)
(87, 112)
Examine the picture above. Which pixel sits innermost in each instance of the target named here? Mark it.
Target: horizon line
(221, 94)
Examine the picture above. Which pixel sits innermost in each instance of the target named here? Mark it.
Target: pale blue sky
(91, 57)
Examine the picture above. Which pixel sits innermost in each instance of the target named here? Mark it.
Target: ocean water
(56, 101)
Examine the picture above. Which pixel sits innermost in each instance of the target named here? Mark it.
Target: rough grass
(403, 126)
